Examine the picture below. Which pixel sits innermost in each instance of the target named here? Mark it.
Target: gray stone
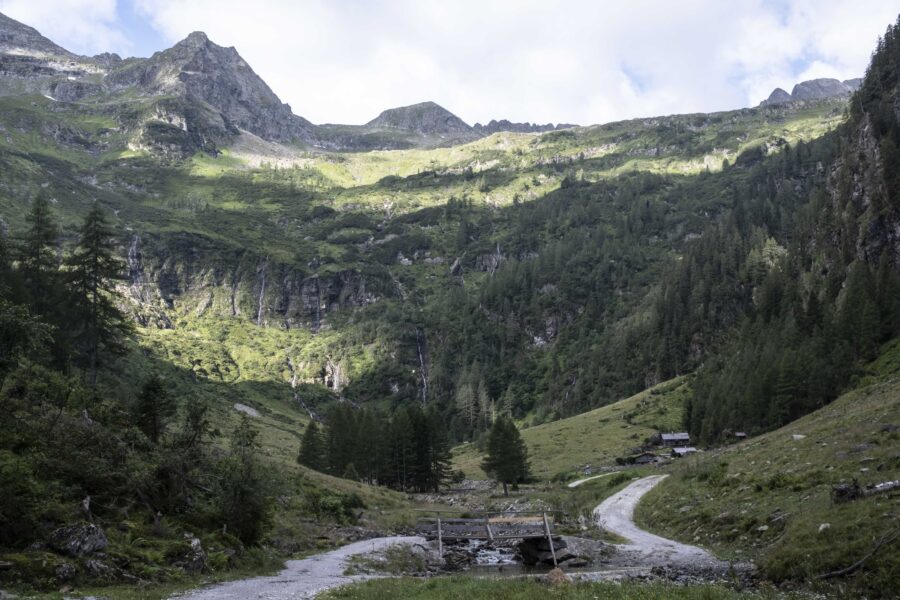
(78, 540)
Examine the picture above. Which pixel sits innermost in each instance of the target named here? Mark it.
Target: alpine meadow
(247, 355)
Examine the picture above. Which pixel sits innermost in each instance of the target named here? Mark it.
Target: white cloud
(578, 60)
(82, 26)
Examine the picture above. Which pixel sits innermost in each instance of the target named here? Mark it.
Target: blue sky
(581, 61)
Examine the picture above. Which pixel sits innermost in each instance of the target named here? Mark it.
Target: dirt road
(301, 578)
(616, 515)
(575, 484)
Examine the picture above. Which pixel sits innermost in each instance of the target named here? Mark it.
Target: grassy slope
(597, 437)
(769, 497)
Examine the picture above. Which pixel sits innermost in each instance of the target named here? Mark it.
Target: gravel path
(301, 578)
(616, 515)
(575, 484)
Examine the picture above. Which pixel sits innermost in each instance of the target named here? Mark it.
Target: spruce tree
(507, 457)
(154, 408)
(312, 448)
(243, 498)
(37, 255)
(94, 269)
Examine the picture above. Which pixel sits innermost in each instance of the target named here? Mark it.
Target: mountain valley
(407, 284)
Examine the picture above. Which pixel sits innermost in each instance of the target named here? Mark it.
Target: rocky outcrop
(78, 540)
(188, 274)
(778, 96)
(858, 188)
(814, 89)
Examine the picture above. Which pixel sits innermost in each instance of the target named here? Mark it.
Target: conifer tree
(312, 448)
(94, 269)
(243, 498)
(154, 408)
(37, 255)
(507, 457)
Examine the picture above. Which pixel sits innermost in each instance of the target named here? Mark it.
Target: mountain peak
(426, 118)
(813, 89)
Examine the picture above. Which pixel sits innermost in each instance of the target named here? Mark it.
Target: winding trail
(301, 578)
(575, 484)
(616, 515)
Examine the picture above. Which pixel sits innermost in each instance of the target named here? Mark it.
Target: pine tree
(466, 398)
(243, 499)
(312, 448)
(507, 457)
(154, 408)
(94, 269)
(37, 256)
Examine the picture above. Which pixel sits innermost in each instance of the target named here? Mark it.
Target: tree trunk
(505, 490)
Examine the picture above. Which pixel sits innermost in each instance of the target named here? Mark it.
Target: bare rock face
(778, 96)
(814, 89)
(78, 540)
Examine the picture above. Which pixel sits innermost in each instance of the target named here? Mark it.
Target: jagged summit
(200, 70)
(424, 118)
(813, 89)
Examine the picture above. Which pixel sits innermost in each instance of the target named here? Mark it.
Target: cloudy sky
(581, 61)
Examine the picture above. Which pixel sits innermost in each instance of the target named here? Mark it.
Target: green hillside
(769, 499)
(596, 438)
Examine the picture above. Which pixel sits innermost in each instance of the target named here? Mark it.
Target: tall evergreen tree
(37, 255)
(154, 408)
(243, 498)
(94, 269)
(507, 457)
(312, 448)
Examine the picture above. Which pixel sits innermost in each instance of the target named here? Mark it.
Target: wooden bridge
(487, 526)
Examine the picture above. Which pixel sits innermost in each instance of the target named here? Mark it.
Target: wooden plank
(550, 539)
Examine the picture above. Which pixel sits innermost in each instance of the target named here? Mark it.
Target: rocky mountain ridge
(199, 96)
(495, 126)
(813, 89)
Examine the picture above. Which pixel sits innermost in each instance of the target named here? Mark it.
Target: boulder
(78, 540)
(537, 550)
(191, 557)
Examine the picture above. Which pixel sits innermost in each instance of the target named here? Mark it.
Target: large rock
(78, 540)
(537, 550)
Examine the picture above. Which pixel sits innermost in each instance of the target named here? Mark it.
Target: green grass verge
(497, 589)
